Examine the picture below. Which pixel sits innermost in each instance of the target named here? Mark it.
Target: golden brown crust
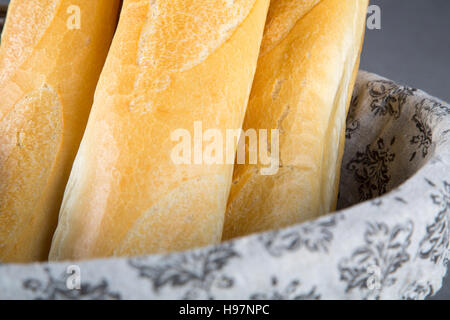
(48, 75)
(194, 61)
(282, 17)
(302, 87)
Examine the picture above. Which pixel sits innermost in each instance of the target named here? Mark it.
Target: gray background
(413, 48)
(413, 45)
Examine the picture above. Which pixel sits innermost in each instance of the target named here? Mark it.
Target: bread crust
(303, 84)
(48, 74)
(171, 63)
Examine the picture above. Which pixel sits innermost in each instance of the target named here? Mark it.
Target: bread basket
(388, 240)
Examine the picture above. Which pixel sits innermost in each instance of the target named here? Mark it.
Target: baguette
(172, 63)
(48, 74)
(303, 85)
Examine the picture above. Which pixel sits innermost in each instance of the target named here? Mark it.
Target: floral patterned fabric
(389, 240)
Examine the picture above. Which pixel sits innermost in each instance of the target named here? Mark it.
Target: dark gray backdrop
(413, 45)
(413, 48)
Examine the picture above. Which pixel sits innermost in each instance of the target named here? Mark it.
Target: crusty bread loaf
(48, 73)
(303, 84)
(172, 63)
